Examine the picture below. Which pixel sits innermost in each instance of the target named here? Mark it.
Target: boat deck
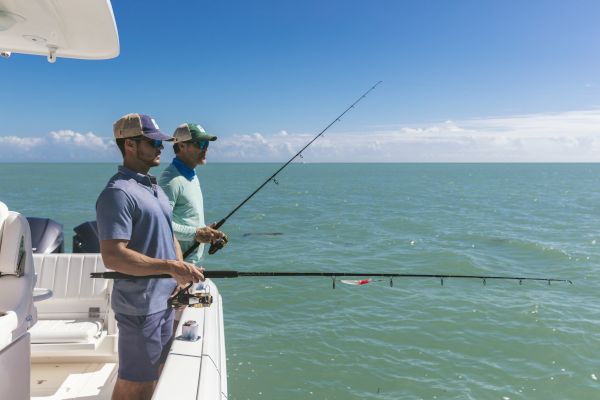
(72, 380)
(70, 360)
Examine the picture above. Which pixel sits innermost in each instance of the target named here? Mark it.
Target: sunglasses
(156, 143)
(202, 145)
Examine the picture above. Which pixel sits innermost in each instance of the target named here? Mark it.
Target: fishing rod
(220, 243)
(333, 276)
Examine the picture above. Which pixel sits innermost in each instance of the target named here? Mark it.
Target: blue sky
(462, 81)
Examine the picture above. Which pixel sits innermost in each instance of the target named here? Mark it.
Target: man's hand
(185, 272)
(208, 234)
(175, 293)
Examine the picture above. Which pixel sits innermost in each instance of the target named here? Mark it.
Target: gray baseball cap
(191, 132)
(132, 125)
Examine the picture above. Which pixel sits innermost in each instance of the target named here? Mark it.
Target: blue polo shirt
(133, 207)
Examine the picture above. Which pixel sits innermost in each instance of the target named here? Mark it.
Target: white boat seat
(66, 331)
(76, 320)
(17, 275)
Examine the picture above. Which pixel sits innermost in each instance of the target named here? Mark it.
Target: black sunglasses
(156, 143)
(202, 145)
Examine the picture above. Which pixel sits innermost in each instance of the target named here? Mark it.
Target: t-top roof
(59, 28)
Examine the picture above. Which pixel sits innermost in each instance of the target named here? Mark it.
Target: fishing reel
(185, 299)
(218, 244)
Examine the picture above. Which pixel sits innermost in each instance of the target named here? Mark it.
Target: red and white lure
(359, 282)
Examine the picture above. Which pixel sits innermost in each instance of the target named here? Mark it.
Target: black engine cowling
(86, 238)
(46, 235)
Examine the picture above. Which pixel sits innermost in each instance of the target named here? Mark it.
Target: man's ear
(129, 143)
(130, 146)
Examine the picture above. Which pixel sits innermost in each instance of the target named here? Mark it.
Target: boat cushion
(65, 331)
(3, 215)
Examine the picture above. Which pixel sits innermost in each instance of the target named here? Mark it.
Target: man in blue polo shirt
(136, 238)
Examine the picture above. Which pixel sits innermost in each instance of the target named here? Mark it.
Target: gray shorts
(144, 343)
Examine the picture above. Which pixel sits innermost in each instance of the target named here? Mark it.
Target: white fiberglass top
(59, 28)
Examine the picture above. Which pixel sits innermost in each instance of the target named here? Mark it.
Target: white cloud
(572, 136)
(24, 143)
(76, 139)
(58, 146)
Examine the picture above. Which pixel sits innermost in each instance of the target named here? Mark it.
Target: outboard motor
(86, 238)
(46, 235)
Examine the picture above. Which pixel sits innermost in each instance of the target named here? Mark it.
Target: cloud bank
(58, 146)
(572, 136)
(550, 137)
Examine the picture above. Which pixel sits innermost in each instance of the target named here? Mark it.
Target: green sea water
(296, 338)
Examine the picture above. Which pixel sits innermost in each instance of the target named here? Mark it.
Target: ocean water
(296, 338)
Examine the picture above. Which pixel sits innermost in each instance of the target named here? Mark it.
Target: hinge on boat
(21, 260)
(94, 312)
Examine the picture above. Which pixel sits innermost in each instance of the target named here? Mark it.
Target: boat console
(17, 311)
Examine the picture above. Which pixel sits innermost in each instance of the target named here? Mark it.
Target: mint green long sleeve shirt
(187, 203)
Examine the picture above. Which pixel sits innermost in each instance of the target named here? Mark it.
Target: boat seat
(78, 316)
(66, 331)
(17, 276)
(17, 310)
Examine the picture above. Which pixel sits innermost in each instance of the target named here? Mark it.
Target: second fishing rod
(220, 243)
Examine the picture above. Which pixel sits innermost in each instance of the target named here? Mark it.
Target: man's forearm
(118, 257)
(184, 232)
(178, 249)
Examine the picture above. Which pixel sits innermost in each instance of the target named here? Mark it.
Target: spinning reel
(185, 299)
(218, 245)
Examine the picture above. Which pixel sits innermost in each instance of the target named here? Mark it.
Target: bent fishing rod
(333, 276)
(220, 243)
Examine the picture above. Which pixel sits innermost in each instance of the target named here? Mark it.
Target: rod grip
(190, 250)
(120, 275)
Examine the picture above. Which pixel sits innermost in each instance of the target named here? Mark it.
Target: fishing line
(220, 243)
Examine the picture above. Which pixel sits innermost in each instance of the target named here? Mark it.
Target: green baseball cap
(191, 132)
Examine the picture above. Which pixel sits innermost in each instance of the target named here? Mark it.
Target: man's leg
(130, 390)
(168, 335)
(143, 342)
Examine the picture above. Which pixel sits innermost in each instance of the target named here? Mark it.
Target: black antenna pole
(214, 247)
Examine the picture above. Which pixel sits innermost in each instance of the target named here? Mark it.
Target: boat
(58, 335)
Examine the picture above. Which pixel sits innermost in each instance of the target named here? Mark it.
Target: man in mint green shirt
(180, 182)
